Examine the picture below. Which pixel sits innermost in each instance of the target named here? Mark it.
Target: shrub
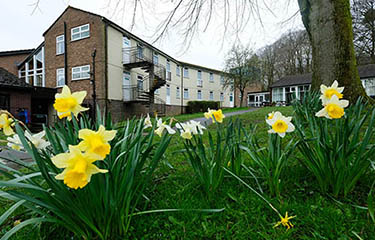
(202, 106)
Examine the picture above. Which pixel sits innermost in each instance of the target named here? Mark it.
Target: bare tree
(363, 12)
(242, 69)
(328, 23)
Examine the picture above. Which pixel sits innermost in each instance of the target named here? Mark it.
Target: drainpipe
(65, 56)
(93, 82)
(182, 88)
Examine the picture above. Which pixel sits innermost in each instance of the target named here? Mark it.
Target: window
(156, 58)
(222, 80)
(177, 92)
(211, 95)
(81, 72)
(168, 66)
(199, 79)
(140, 82)
(186, 72)
(60, 48)
(4, 102)
(277, 94)
(199, 95)
(222, 97)
(60, 77)
(139, 51)
(157, 91)
(186, 93)
(81, 32)
(211, 77)
(178, 70)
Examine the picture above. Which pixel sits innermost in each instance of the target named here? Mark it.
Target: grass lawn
(186, 117)
(245, 216)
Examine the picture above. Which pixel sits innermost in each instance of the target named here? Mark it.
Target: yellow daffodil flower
(333, 109)
(6, 124)
(280, 124)
(163, 126)
(328, 92)
(147, 122)
(78, 166)
(216, 115)
(285, 221)
(96, 142)
(37, 139)
(15, 142)
(67, 103)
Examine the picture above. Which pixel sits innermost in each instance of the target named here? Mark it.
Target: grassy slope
(245, 215)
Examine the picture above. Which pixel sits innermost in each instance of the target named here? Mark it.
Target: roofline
(31, 54)
(201, 67)
(16, 52)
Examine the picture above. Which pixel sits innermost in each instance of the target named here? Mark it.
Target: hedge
(202, 106)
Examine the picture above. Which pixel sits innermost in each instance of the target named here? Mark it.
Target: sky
(22, 26)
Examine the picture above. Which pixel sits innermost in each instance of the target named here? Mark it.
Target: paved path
(207, 122)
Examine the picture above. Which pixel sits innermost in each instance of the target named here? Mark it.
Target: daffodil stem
(247, 185)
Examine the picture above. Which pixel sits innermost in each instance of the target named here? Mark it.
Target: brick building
(120, 71)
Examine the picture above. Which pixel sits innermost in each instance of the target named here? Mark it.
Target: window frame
(221, 97)
(211, 77)
(186, 75)
(211, 95)
(80, 32)
(177, 92)
(186, 90)
(60, 42)
(199, 94)
(178, 70)
(199, 79)
(57, 76)
(80, 72)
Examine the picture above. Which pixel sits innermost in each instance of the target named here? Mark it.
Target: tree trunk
(329, 25)
(241, 98)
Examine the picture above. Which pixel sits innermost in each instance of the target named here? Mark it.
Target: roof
(198, 66)
(16, 52)
(293, 80)
(35, 50)
(8, 79)
(365, 71)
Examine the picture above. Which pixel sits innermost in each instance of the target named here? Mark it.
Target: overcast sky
(20, 29)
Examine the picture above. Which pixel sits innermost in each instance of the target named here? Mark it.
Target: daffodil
(328, 92)
(285, 221)
(14, 142)
(147, 122)
(67, 103)
(185, 129)
(37, 139)
(6, 124)
(270, 115)
(163, 126)
(333, 109)
(196, 127)
(96, 142)
(216, 115)
(280, 124)
(78, 167)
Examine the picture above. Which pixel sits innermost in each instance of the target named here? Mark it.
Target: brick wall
(18, 99)
(10, 62)
(253, 88)
(78, 52)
